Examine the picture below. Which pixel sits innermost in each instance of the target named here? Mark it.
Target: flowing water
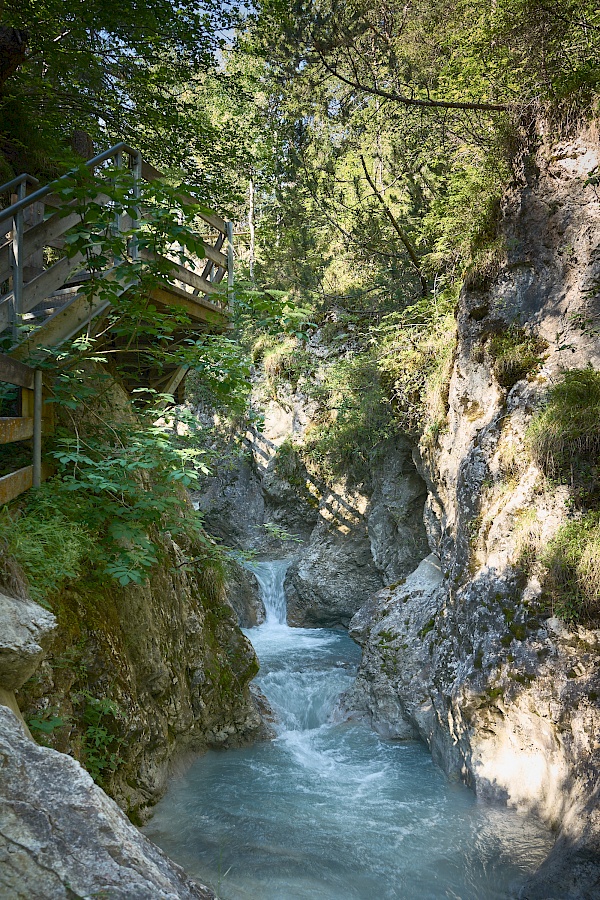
(329, 811)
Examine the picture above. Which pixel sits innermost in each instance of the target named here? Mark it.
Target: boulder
(25, 632)
(61, 836)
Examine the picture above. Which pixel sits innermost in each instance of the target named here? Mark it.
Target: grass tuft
(516, 354)
(572, 570)
(564, 437)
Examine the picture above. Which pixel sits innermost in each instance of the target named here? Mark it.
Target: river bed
(328, 810)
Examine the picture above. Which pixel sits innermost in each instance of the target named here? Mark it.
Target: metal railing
(22, 244)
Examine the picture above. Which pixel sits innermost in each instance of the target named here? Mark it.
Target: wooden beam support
(15, 428)
(175, 380)
(14, 372)
(197, 308)
(182, 274)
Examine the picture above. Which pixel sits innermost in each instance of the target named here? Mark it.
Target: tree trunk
(13, 47)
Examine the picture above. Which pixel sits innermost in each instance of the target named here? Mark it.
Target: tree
(113, 70)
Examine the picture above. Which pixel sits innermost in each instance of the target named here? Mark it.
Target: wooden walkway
(42, 304)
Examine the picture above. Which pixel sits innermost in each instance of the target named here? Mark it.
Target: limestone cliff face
(464, 654)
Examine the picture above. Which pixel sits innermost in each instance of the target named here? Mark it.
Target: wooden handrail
(20, 428)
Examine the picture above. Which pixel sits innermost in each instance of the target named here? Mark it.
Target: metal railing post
(37, 428)
(229, 264)
(118, 162)
(16, 264)
(134, 250)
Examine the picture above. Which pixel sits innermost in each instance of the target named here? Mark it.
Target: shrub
(572, 570)
(355, 419)
(50, 548)
(564, 437)
(415, 356)
(516, 354)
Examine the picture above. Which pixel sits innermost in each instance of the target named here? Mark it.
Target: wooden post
(37, 428)
(16, 264)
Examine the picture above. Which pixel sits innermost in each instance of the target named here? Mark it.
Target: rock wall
(363, 539)
(162, 666)
(137, 675)
(465, 654)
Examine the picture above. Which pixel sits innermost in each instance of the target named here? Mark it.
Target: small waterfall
(327, 810)
(271, 576)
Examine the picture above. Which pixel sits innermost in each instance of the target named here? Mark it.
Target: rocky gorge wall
(465, 654)
(129, 680)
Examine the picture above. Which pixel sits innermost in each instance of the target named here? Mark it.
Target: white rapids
(327, 810)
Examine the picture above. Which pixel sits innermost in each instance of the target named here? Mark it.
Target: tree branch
(411, 101)
(399, 231)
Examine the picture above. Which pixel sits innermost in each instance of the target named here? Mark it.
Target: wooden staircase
(43, 305)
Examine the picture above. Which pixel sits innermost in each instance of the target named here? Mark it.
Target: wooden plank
(197, 308)
(37, 237)
(15, 428)
(13, 372)
(149, 173)
(41, 287)
(182, 274)
(214, 255)
(16, 483)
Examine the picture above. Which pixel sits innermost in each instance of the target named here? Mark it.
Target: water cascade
(327, 810)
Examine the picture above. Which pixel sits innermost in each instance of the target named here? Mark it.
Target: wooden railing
(29, 231)
(37, 220)
(29, 424)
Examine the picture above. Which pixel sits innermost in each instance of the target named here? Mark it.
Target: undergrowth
(415, 350)
(354, 422)
(515, 355)
(564, 440)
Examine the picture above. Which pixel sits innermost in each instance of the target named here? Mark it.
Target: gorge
(300, 450)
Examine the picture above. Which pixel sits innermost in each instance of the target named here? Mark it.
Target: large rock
(244, 596)
(334, 576)
(61, 837)
(392, 685)
(26, 630)
(362, 540)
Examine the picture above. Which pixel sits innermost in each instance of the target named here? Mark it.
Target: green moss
(429, 626)
(516, 354)
(518, 630)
